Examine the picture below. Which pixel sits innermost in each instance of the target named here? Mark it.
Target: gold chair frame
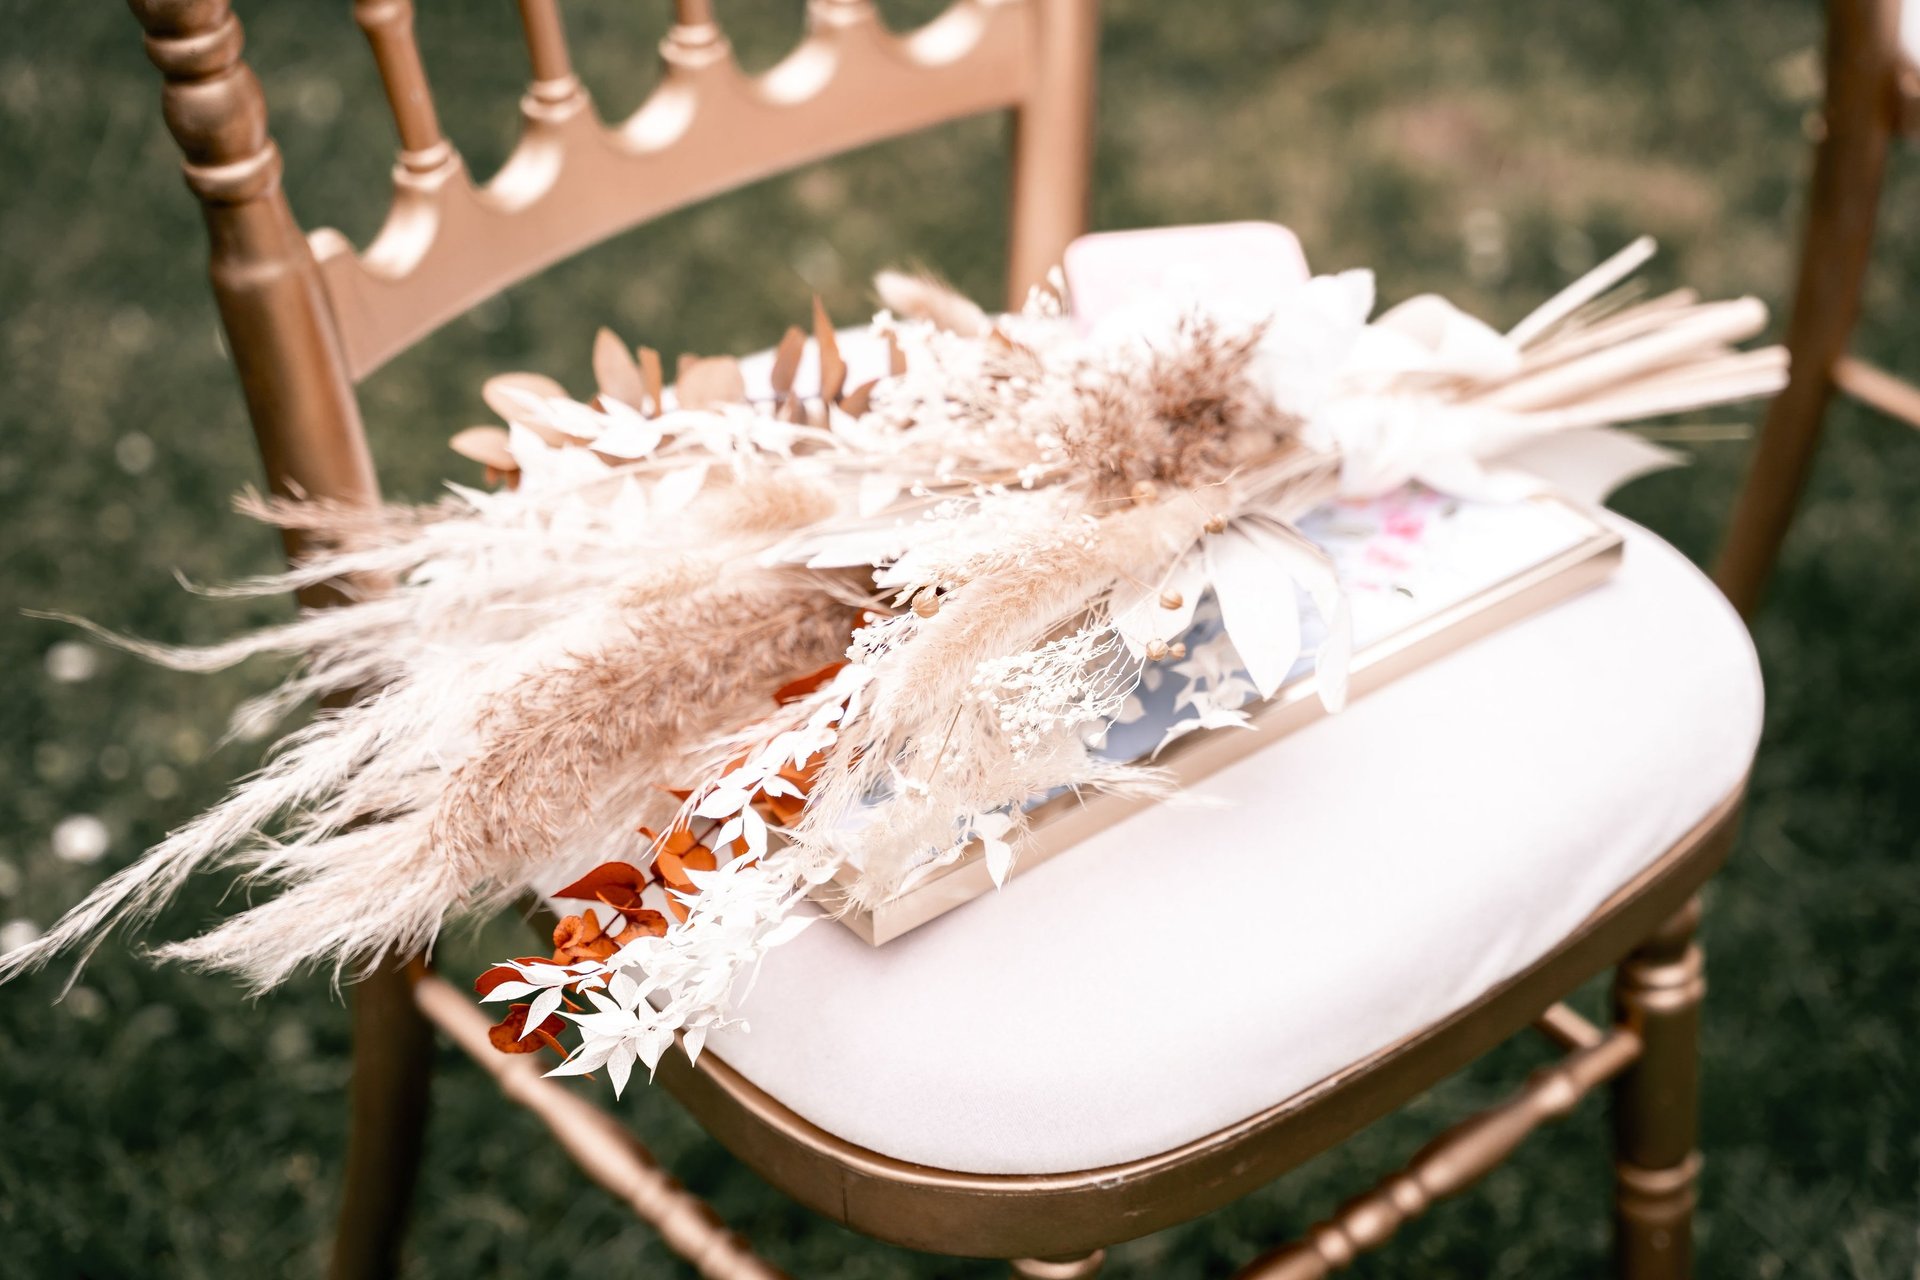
(306, 317)
(1872, 97)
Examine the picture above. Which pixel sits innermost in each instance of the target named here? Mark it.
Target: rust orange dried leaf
(505, 1035)
(672, 867)
(782, 810)
(618, 884)
(578, 938)
(486, 982)
(794, 690)
(642, 924)
(678, 840)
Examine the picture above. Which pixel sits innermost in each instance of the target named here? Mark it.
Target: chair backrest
(307, 316)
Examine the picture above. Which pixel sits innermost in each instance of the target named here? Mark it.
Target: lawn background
(159, 1124)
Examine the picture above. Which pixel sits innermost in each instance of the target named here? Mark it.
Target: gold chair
(1872, 97)
(307, 317)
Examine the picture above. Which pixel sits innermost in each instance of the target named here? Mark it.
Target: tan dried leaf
(499, 391)
(507, 395)
(856, 401)
(833, 370)
(615, 371)
(786, 360)
(486, 446)
(709, 381)
(651, 376)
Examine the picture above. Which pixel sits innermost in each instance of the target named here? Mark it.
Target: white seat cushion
(1371, 874)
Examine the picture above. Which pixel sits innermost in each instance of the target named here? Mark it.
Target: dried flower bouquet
(705, 647)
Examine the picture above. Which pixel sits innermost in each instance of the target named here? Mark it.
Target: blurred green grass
(162, 1124)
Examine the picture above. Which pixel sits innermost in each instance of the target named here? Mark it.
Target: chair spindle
(553, 78)
(388, 25)
(1452, 1162)
(836, 13)
(695, 40)
(603, 1147)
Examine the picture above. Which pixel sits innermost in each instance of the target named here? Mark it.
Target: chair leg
(1082, 1268)
(392, 1064)
(1657, 992)
(1835, 250)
